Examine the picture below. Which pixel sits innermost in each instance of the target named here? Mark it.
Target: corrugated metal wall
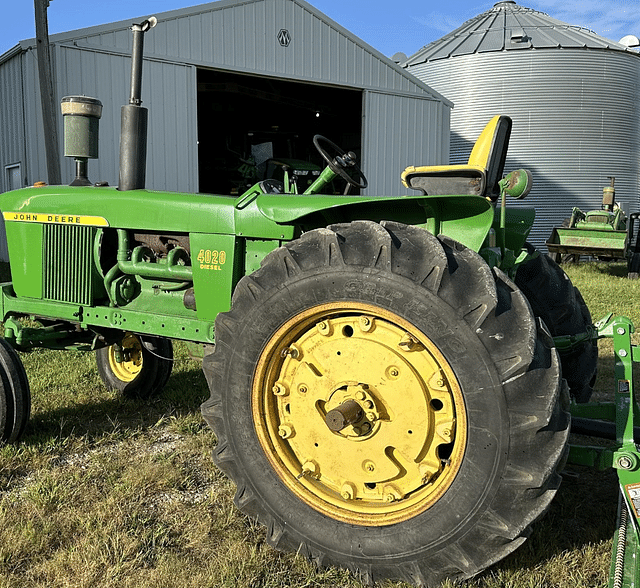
(11, 117)
(576, 121)
(168, 91)
(36, 161)
(12, 137)
(239, 36)
(409, 125)
(242, 37)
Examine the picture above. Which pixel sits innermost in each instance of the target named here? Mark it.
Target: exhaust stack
(133, 125)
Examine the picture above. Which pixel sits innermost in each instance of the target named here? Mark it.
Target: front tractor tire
(386, 402)
(15, 395)
(138, 366)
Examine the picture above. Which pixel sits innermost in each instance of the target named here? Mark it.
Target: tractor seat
(479, 177)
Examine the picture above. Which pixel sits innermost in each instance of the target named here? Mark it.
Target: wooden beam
(47, 95)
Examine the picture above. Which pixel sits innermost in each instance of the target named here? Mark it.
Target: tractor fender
(466, 219)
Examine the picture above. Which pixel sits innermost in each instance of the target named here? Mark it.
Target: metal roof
(243, 26)
(509, 27)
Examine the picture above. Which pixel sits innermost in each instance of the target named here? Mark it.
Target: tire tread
(529, 371)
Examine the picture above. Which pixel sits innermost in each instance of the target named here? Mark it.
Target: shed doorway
(248, 126)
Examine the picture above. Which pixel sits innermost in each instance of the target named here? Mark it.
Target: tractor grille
(599, 218)
(68, 264)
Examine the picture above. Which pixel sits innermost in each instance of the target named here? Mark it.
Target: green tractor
(607, 234)
(389, 376)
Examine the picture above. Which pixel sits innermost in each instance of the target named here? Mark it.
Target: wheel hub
(360, 414)
(125, 359)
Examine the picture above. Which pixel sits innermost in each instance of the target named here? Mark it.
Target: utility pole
(47, 96)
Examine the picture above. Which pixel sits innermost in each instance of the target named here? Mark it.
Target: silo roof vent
(507, 27)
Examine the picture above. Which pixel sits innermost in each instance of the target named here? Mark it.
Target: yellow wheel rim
(359, 413)
(130, 365)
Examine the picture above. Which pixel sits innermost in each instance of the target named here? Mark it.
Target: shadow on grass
(115, 416)
(582, 513)
(580, 519)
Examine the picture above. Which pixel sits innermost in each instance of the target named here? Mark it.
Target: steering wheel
(343, 164)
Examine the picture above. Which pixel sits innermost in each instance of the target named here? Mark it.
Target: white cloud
(612, 19)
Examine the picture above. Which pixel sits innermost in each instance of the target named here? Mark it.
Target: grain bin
(572, 94)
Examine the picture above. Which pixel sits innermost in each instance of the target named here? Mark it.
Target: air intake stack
(81, 115)
(133, 128)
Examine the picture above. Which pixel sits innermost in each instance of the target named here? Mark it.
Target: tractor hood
(260, 216)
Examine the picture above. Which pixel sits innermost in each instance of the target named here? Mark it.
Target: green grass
(107, 492)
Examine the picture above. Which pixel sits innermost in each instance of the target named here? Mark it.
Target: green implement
(606, 234)
(622, 415)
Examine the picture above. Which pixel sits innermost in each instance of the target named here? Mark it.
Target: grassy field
(105, 492)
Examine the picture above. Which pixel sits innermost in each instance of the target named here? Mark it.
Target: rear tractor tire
(15, 396)
(560, 305)
(386, 402)
(139, 366)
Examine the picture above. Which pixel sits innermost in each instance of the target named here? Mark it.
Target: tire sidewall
(470, 493)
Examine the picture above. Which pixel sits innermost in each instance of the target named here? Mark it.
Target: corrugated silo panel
(576, 121)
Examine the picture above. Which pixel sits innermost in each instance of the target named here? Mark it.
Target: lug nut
(348, 491)
(366, 324)
(286, 431)
(408, 342)
(310, 468)
(324, 328)
(427, 472)
(391, 493)
(290, 351)
(279, 389)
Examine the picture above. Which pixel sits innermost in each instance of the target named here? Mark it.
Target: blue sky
(389, 26)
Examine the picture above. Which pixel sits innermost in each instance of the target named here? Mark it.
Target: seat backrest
(490, 152)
